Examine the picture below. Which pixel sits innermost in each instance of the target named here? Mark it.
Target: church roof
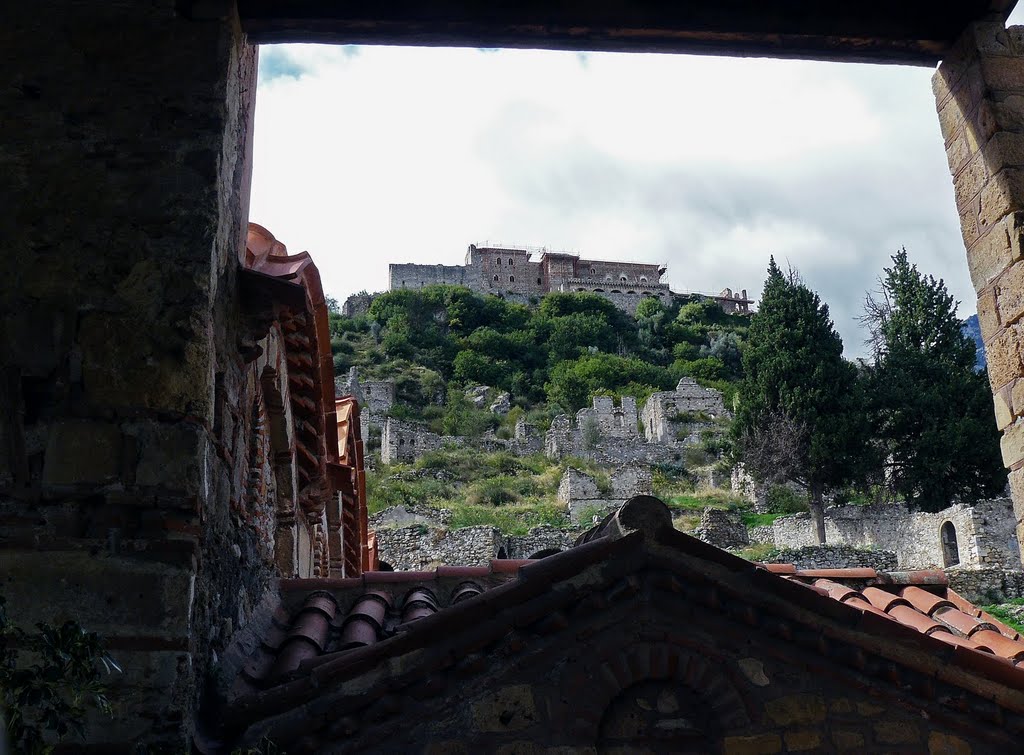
(394, 631)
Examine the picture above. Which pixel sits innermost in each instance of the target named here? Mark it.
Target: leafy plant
(48, 699)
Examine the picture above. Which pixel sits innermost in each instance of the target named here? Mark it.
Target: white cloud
(366, 156)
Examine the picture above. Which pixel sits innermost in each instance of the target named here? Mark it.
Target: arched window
(622, 278)
(511, 262)
(643, 278)
(616, 291)
(593, 271)
(495, 277)
(950, 550)
(511, 279)
(498, 262)
(538, 281)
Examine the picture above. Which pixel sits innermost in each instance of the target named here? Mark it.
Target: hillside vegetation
(551, 358)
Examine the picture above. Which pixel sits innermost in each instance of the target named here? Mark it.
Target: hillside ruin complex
(512, 272)
(149, 458)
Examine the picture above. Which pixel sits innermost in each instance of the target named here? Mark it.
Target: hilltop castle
(510, 271)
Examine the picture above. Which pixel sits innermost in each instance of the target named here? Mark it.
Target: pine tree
(799, 417)
(932, 413)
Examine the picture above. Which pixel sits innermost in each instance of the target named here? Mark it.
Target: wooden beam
(880, 31)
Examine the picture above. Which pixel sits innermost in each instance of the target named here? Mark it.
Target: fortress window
(538, 281)
(622, 278)
(593, 271)
(643, 278)
(511, 279)
(495, 277)
(498, 262)
(511, 262)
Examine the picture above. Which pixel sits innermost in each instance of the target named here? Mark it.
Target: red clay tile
(395, 577)
(835, 590)
(838, 573)
(913, 618)
(882, 599)
(462, 572)
(924, 601)
(956, 641)
(508, 565)
(998, 644)
(962, 603)
(918, 577)
(779, 568)
(960, 621)
(466, 591)
(859, 602)
(1006, 631)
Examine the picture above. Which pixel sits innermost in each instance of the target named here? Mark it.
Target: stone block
(1012, 444)
(1004, 150)
(114, 596)
(507, 709)
(1005, 355)
(999, 248)
(803, 740)
(897, 732)
(83, 452)
(758, 744)
(969, 229)
(848, 740)
(1001, 195)
(1003, 73)
(1008, 298)
(152, 367)
(796, 709)
(947, 744)
(1003, 410)
(971, 179)
(988, 315)
(958, 151)
(171, 456)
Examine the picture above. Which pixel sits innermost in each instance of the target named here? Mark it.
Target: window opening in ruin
(510, 262)
(495, 277)
(950, 550)
(511, 279)
(501, 553)
(538, 281)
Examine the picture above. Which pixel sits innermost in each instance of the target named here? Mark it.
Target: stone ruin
(375, 397)
(666, 412)
(610, 434)
(417, 538)
(722, 528)
(584, 499)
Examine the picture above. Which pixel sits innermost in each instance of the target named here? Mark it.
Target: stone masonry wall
(661, 411)
(835, 557)
(983, 531)
(978, 92)
(581, 495)
(127, 159)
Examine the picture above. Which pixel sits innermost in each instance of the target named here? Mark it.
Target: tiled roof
(921, 600)
(903, 628)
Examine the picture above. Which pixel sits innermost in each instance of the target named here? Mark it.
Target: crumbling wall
(420, 547)
(583, 497)
(835, 557)
(721, 528)
(984, 532)
(406, 442)
(665, 411)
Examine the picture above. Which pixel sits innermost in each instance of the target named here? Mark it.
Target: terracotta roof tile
(960, 621)
(924, 601)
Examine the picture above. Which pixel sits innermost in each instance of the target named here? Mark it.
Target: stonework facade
(511, 271)
(970, 536)
(665, 412)
(585, 499)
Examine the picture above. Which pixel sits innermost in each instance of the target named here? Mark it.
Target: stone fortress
(512, 272)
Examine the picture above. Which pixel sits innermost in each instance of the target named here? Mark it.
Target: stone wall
(419, 547)
(985, 586)
(583, 498)
(724, 529)
(409, 275)
(358, 304)
(984, 533)
(406, 441)
(835, 557)
(540, 541)
(665, 412)
(608, 420)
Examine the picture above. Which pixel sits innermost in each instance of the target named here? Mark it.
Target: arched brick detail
(609, 676)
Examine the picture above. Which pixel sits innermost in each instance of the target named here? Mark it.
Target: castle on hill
(511, 271)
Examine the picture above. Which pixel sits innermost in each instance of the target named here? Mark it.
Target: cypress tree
(799, 417)
(931, 412)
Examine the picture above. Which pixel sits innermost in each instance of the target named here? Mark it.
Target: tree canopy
(931, 412)
(799, 394)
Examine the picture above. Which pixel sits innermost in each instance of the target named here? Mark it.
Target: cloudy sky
(370, 155)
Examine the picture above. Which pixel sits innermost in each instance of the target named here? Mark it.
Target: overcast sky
(370, 155)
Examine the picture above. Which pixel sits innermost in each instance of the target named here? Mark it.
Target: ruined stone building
(176, 475)
(512, 272)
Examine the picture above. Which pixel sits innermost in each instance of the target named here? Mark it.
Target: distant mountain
(971, 328)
